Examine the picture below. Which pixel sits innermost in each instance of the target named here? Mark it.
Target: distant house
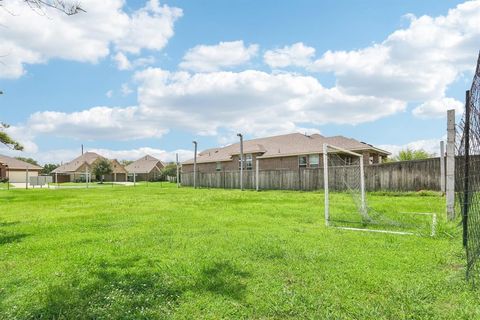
(284, 152)
(16, 170)
(78, 168)
(147, 168)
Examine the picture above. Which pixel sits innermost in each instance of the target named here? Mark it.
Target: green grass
(162, 252)
(4, 185)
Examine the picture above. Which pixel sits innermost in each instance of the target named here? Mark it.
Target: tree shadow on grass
(129, 289)
(111, 292)
(224, 279)
(11, 238)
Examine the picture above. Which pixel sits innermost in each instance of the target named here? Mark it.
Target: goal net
(346, 204)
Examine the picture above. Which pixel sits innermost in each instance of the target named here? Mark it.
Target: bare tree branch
(67, 7)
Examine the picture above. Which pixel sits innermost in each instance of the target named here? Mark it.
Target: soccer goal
(346, 205)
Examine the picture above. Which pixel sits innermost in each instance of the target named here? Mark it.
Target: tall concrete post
(241, 160)
(195, 164)
(178, 172)
(450, 168)
(442, 166)
(257, 170)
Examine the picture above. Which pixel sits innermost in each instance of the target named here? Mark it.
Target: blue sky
(383, 72)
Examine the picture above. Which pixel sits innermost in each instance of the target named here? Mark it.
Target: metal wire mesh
(344, 176)
(467, 176)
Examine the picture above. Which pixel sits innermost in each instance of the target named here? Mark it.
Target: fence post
(450, 179)
(442, 166)
(256, 174)
(325, 182)
(26, 177)
(466, 196)
(178, 176)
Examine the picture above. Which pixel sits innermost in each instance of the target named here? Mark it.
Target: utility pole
(241, 160)
(195, 164)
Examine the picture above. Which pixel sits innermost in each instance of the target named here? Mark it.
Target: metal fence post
(450, 179)
(466, 196)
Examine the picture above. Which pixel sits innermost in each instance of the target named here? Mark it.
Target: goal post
(345, 199)
(335, 149)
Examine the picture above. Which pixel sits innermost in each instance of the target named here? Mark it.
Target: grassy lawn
(4, 185)
(162, 252)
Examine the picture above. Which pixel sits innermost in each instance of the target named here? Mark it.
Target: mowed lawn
(160, 252)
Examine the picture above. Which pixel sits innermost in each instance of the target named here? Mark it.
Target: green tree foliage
(7, 140)
(29, 160)
(409, 154)
(102, 167)
(170, 170)
(125, 162)
(49, 167)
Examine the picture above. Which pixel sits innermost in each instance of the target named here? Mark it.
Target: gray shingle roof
(13, 163)
(283, 145)
(144, 165)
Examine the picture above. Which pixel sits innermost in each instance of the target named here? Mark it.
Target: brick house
(75, 170)
(16, 170)
(147, 168)
(284, 152)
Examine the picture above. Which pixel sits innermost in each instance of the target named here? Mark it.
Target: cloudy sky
(133, 77)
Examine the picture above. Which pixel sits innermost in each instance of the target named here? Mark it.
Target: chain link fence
(467, 177)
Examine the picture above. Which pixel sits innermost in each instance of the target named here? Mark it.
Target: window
(348, 161)
(302, 161)
(314, 160)
(219, 166)
(370, 159)
(248, 162)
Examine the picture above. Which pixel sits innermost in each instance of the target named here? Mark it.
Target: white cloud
(28, 37)
(205, 58)
(122, 61)
(297, 54)
(109, 93)
(98, 123)
(149, 28)
(438, 108)
(126, 90)
(414, 64)
(251, 101)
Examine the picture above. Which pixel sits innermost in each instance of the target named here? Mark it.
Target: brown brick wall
(280, 163)
(3, 172)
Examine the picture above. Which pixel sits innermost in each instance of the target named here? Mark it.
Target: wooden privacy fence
(394, 176)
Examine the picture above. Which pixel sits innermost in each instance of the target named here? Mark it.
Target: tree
(170, 170)
(101, 168)
(49, 167)
(409, 154)
(29, 160)
(126, 162)
(67, 7)
(6, 140)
